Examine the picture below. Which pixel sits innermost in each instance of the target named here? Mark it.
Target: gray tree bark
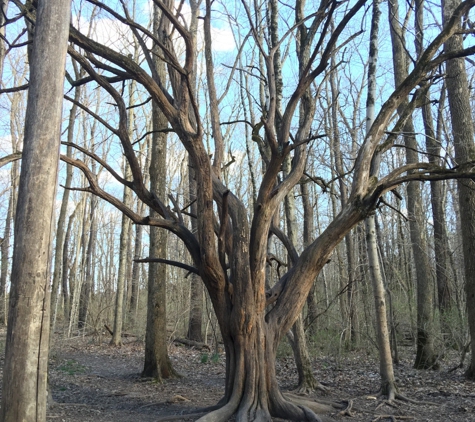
(24, 390)
(462, 130)
(4, 250)
(157, 363)
(3, 16)
(388, 383)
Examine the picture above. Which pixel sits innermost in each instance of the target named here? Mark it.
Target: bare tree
(229, 247)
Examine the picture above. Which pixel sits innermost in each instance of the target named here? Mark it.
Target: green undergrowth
(72, 367)
(209, 358)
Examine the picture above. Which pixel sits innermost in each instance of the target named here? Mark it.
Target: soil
(93, 381)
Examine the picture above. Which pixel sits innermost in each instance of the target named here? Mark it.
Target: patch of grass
(72, 367)
(206, 358)
(215, 357)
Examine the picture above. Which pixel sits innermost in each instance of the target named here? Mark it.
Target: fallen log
(198, 345)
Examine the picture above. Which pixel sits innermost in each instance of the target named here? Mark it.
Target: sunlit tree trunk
(24, 389)
(157, 363)
(388, 383)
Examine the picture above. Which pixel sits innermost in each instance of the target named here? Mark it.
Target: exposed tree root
(347, 410)
(307, 389)
(320, 406)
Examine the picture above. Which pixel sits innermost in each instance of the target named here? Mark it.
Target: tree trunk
(3, 17)
(308, 234)
(4, 251)
(388, 383)
(24, 390)
(65, 268)
(123, 247)
(433, 146)
(157, 363)
(462, 127)
(195, 323)
(86, 288)
(60, 232)
(135, 282)
(425, 355)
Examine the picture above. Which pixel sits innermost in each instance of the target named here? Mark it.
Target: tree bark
(388, 383)
(157, 363)
(458, 94)
(24, 390)
(4, 251)
(3, 18)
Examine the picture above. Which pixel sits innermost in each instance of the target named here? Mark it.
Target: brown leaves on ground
(96, 382)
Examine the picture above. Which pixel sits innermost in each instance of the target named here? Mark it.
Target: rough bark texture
(26, 355)
(462, 129)
(195, 331)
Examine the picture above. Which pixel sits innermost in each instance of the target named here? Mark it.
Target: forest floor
(93, 381)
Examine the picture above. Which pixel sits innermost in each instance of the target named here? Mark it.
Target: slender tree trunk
(425, 355)
(24, 391)
(307, 381)
(123, 246)
(157, 363)
(75, 276)
(60, 233)
(3, 16)
(462, 127)
(433, 146)
(388, 383)
(65, 267)
(135, 281)
(86, 288)
(4, 251)
(308, 233)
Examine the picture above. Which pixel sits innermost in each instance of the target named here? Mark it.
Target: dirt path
(103, 383)
(94, 382)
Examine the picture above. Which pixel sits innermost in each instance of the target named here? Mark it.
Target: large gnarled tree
(229, 246)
